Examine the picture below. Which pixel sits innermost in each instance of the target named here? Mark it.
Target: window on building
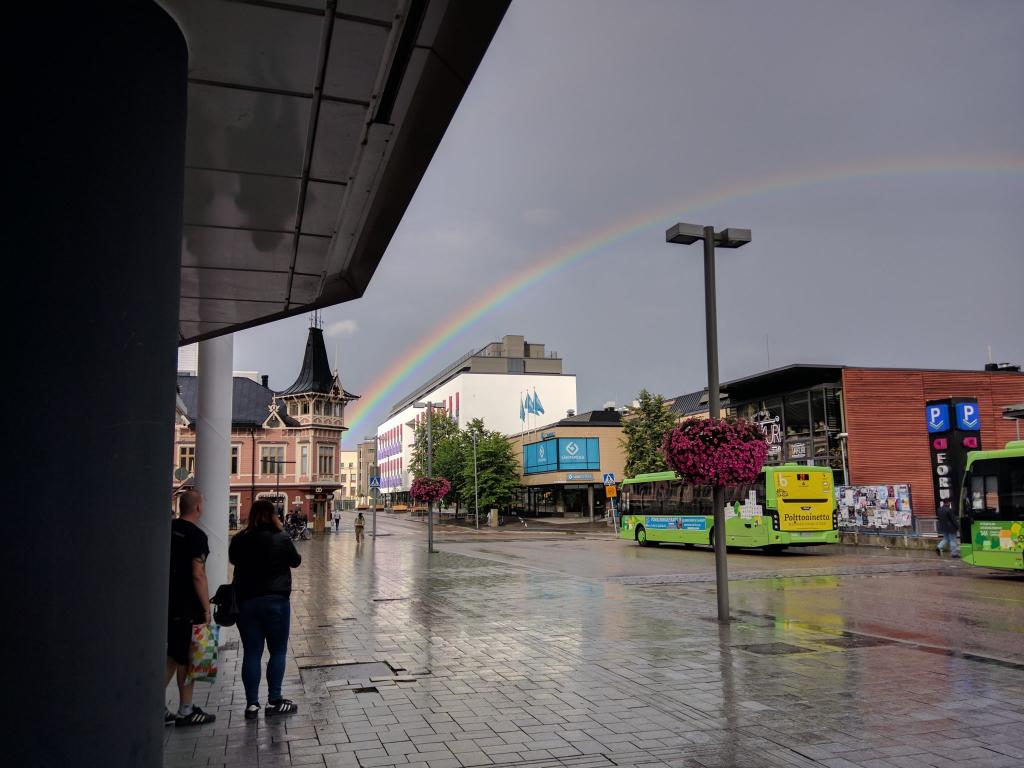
(303, 459)
(233, 499)
(305, 407)
(270, 457)
(235, 452)
(187, 457)
(325, 459)
(343, 478)
(316, 407)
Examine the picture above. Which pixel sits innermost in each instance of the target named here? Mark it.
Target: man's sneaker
(169, 717)
(195, 717)
(955, 554)
(252, 711)
(282, 707)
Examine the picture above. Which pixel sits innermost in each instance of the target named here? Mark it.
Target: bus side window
(761, 489)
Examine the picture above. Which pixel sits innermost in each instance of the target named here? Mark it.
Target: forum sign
(954, 428)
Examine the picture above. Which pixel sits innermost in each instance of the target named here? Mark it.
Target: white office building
(490, 384)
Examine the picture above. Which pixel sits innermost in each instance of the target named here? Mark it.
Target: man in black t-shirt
(188, 603)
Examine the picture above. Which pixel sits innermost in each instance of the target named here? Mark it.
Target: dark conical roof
(315, 375)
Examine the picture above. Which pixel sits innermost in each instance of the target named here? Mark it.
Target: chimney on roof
(570, 412)
(265, 379)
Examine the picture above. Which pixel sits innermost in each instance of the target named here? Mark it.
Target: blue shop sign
(578, 453)
(540, 457)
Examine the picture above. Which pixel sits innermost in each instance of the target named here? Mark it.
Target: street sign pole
(375, 487)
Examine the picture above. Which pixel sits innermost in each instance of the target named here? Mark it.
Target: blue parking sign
(967, 416)
(937, 416)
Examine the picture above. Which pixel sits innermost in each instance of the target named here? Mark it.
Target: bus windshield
(996, 489)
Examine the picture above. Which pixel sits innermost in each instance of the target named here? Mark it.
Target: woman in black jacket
(263, 556)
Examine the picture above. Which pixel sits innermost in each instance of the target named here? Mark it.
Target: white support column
(213, 450)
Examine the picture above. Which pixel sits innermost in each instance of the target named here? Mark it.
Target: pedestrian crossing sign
(375, 482)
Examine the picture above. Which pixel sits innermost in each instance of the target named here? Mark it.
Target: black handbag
(226, 599)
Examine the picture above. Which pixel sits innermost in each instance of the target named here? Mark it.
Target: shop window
(797, 417)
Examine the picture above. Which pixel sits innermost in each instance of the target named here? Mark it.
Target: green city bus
(992, 508)
(788, 505)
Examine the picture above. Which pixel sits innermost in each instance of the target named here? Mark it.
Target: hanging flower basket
(715, 452)
(430, 488)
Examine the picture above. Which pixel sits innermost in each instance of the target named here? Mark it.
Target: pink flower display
(715, 452)
(429, 488)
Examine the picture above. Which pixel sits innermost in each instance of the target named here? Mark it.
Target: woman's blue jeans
(264, 621)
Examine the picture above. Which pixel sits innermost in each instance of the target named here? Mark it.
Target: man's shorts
(179, 639)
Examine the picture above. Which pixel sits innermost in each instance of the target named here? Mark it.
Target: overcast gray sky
(904, 118)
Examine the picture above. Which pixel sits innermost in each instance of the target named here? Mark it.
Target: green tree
(448, 453)
(497, 472)
(643, 431)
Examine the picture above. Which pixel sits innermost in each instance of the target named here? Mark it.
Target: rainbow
(568, 255)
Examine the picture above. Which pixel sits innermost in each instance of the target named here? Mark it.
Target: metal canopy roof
(310, 125)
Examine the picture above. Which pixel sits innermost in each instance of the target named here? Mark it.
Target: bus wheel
(641, 536)
(711, 537)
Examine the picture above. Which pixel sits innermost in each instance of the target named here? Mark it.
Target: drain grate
(773, 649)
(389, 599)
(856, 641)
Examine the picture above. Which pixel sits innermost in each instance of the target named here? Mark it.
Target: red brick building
(869, 424)
(285, 446)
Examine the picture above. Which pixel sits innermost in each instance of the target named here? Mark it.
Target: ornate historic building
(285, 446)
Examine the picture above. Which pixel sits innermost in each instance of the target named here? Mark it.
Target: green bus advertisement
(992, 508)
(788, 505)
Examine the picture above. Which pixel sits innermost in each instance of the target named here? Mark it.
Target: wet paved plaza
(592, 652)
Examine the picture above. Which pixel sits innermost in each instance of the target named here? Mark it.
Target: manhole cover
(856, 641)
(773, 649)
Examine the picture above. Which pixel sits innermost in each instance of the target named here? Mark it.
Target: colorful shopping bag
(202, 660)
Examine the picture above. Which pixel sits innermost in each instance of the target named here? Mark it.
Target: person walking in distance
(360, 522)
(947, 525)
(263, 556)
(188, 604)
(337, 519)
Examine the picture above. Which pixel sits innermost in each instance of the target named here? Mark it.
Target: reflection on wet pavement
(553, 657)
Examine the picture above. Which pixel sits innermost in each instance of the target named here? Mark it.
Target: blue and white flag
(537, 407)
(530, 407)
(522, 411)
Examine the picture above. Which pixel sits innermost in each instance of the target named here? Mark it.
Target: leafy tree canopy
(643, 433)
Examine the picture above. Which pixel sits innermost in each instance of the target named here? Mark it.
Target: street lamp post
(430, 466)
(476, 492)
(688, 234)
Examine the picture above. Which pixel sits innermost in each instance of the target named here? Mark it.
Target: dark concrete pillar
(96, 108)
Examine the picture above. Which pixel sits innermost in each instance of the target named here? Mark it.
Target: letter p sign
(937, 417)
(967, 416)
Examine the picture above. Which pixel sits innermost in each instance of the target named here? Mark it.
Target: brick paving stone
(571, 673)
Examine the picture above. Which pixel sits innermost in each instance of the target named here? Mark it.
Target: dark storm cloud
(587, 113)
